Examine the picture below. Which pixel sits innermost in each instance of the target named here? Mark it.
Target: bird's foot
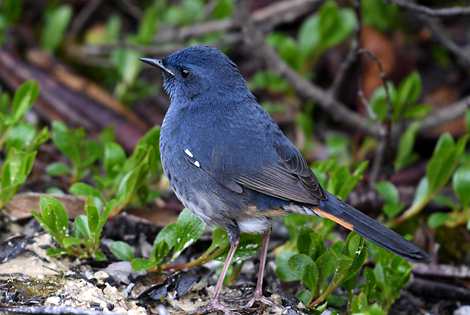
(258, 298)
(214, 306)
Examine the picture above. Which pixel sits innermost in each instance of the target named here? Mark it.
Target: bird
(230, 164)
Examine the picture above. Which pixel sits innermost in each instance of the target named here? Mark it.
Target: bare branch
(343, 69)
(442, 271)
(453, 11)
(337, 110)
(385, 140)
(441, 35)
(83, 16)
(446, 114)
(169, 39)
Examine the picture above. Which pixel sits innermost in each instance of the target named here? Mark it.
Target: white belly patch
(253, 225)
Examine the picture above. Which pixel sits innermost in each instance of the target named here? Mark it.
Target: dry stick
(407, 4)
(267, 18)
(380, 151)
(446, 114)
(170, 39)
(343, 69)
(83, 16)
(442, 271)
(385, 140)
(337, 110)
(463, 56)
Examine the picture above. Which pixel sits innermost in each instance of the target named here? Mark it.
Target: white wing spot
(188, 153)
(197, 163)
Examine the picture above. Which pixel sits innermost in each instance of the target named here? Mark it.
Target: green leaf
(93, 218)
(99, 256)
(310, 277)
(378, 101)
(55, 206)
(69, 242)
(418, 111)
(309, 243)
(114, 157)
(223, 9)
(357, 249)
(408, 93)
(55, 252)
(326, 29)
(422, 192)
(287, 48)
(56, 23)
(189, 228)
(443, 161)
(24, 98)
(268, 80)
(67, 141)
(380, 15)
(57, 169)
(21, 136)
(467, 120)
(249, 246)
(461, 185)
(53, 217)
(283, 270)
(85, 190)
(160, 251)
(148, 25)
(113, 29)
(122, 250)
(298, 265)
(142, 264)
(405, 154)
(437, 219)
(11, 10)
(327, 264)
(128, 66)
(81, 227)
(389, 193)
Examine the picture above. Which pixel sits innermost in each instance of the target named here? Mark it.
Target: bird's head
(198, 71)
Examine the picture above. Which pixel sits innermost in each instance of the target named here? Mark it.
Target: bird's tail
(352, 219)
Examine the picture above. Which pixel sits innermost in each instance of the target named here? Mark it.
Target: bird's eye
(184, 73)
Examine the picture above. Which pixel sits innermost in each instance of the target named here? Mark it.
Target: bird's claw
(260, 299)
(214, 306)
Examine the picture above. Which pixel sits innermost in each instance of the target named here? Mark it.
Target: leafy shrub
(20, 139)
(125, 179)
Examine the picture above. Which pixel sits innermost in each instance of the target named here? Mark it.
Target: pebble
(53, 300)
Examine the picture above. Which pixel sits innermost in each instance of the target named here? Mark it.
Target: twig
(266, 18)
(130, 8)
(442, 271)
(385, 140)
(338, 111)
(343, 69)
(407, 4)
(83, 16)
(441, 35)
(170, 39)
(446, 114)
(438, 290)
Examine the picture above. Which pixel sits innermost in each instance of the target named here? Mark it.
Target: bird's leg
(258, 296)
(215, 304)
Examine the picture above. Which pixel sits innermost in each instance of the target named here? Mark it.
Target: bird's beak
(157, 63)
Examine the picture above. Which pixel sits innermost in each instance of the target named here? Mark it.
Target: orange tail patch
(331, 217)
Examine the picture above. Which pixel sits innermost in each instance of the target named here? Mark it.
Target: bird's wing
(289, 178)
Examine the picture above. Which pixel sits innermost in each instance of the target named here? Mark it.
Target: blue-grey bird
(230, 163)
